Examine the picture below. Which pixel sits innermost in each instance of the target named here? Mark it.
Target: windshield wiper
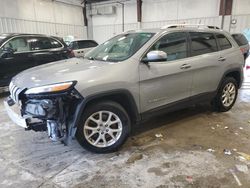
(94, 59)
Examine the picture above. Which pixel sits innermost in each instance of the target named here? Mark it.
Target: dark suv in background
(22, 51)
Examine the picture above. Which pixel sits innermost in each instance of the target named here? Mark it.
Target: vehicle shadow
(169, 118)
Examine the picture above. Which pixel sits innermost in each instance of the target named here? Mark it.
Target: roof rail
(189, 25)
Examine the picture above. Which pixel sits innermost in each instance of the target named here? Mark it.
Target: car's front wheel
(104, 127)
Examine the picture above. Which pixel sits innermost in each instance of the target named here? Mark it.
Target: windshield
(120, 47)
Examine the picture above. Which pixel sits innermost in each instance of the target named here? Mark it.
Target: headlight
(50, 88)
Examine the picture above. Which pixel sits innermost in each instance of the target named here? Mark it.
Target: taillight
(248, 67)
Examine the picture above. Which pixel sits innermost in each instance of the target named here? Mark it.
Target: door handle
(185, 66)
(222, 59)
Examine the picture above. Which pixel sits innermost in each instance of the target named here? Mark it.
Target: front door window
(174, 44)
(18, 45)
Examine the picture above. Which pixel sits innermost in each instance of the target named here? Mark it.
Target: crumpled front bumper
(56, 113)
(13, 111)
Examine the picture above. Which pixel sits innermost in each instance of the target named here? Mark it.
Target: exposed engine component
(40, 108)
(52, 129)
(52, 114)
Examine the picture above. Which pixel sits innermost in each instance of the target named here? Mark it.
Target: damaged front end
(54, 112)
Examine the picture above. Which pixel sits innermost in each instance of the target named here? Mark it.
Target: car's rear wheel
(227, 94)
(104, 127)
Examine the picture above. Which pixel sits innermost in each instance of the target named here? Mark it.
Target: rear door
(45, 50)
(164, 83)
(229, 55)
(12, 64)
(59, 48)
(207, 68)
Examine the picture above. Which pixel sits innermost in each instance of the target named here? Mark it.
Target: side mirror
(155, 56)
(6, 52)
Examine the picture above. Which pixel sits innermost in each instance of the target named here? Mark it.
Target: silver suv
(132, 76)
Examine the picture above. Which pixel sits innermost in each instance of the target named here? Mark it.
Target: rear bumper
(14, 114)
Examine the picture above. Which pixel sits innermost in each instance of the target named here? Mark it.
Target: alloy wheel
(102, 129)
(228, 94)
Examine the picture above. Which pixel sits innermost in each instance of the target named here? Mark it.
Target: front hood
(56, 72)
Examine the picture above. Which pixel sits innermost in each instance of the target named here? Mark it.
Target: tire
(113, 127)
(224, 99)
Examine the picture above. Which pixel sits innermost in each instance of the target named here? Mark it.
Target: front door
(15, 62)
(167, 82)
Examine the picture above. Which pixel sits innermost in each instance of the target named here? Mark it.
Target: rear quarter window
(223, 42)
(240, 39)
(55, 43)
(86, 44)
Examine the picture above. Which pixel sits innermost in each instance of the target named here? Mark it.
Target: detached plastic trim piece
(16, 118)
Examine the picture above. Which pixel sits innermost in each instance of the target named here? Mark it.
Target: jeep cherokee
(132, 76)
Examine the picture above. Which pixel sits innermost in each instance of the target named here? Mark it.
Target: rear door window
(86, 44)
(174, 44)
(240, 39)
(202, 43)
(43, 43)
(223, 42)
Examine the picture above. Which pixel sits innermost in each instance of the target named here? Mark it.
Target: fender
(228, 72)
(133, 110)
